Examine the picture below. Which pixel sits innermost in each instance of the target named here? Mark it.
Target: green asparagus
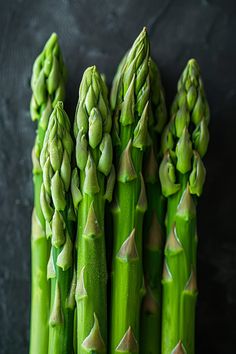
(154, 218)
(182, 174)
(154, 228)
(130, 100)
(92, 186)
(55, 160)
(48, 87)
(146, 206)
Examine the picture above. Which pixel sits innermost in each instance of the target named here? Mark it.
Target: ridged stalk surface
(48, 87)
(182, 174)
(93, 181)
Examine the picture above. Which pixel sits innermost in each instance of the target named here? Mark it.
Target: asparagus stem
(48, 87)
(182, 175)
(94, 162)
(154, 227)
(130, 135)
(151, 308)
(55, 160)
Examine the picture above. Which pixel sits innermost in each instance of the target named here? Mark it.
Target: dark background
(99, 32)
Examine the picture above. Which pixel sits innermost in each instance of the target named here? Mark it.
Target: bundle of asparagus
(156, 173)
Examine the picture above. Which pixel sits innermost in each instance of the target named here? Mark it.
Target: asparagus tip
(145, 29)
(52, 40)
(193, 62)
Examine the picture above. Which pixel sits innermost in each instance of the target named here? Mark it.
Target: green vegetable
(48, 87)
(130, 100)
(55, 160)
(143, 317)
(182, 175)
(154, 228)
(92, 184)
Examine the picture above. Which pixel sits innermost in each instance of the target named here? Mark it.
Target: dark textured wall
(99, 32)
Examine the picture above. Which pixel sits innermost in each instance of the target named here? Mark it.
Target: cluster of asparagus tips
(92, 184)
(48, 81)
(182, 174)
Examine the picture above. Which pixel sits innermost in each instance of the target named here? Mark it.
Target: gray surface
(100, 32)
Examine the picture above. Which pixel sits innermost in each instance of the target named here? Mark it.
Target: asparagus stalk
(48, 87)
(55, 160)
(95, 180)
(154, 227)
(130, 136)
(182, 174)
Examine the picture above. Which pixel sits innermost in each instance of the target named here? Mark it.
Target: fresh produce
(130, 137)
(182, 174)
(55, 160)
(92, 185)
(48, 88)
(116, 272)
(154, 227)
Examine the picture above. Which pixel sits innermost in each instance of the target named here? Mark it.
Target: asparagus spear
(48, 87)
(182, 175)
(154, 228)
(130, 136)
(154, 218)
(55, 160)
(95, 180)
